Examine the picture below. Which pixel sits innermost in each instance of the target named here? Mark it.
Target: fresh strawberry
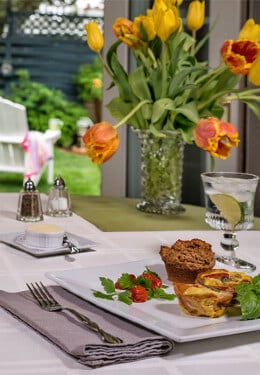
(155, 281)
(138, 293)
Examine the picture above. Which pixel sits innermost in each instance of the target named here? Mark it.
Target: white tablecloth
(23, 351)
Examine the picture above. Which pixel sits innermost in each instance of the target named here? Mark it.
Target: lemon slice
(230, 208)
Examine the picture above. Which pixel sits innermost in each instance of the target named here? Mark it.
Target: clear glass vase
(161, 172)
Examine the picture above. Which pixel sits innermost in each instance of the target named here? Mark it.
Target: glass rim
(243, 175)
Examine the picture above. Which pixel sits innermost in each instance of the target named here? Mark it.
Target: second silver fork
(46, 300)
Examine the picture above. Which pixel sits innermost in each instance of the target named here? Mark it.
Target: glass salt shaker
(59, 204)
(29, 203)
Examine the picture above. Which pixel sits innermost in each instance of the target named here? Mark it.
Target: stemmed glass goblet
(229, 203)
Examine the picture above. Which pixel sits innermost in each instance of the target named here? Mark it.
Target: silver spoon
(73, 248)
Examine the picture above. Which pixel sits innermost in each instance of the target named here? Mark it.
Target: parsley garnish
(126, 283)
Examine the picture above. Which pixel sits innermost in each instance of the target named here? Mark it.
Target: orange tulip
(123, 30)
(101, 141)
(239, 55)
(216, 136)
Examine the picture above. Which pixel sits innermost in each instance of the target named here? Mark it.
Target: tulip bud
(196, 15)
(95, 38)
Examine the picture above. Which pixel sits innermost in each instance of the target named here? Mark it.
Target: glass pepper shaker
(59, 199)
(29, 203)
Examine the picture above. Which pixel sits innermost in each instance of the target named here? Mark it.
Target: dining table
(122, 236)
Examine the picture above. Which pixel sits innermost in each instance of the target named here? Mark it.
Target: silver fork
(49, 303)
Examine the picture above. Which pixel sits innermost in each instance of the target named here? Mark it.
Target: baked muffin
(185, 259)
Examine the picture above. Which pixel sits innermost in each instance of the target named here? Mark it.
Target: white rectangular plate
(161, 316)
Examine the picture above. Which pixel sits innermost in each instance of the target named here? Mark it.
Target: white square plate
(162, 316)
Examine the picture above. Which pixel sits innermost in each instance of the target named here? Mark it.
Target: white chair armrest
(52, 135)
(11, 138)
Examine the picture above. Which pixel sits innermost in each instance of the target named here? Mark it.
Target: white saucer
(17, 241)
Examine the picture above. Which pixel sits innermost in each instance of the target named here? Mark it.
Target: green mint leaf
(256, 283)
(107, 284)
(103, 295)
(250, 307)
(125, 297)
(160, 293)
(248, 294)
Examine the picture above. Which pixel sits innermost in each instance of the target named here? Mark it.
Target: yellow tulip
(159, 5)
(254, 72)
(143, 27)
(250, 31)
(171, 3)
(196, 15)
(95, 37)
(166, 22)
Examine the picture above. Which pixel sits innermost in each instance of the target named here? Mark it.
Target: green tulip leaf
(190, 111)
(138, 84)
(121, 79)
(159, 108)
(255, 107)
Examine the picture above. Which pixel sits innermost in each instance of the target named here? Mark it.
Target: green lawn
(81, 176)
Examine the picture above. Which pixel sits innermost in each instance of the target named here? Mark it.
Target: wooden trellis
(51, 47)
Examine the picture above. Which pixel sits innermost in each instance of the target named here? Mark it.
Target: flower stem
(164, 71)
(212, 163)
(194, 43)
(105, 65)
(131, 113)
(212, 74)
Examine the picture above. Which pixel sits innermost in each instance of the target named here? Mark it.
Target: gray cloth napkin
(76, 339)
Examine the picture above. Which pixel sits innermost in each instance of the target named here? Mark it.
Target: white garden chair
(13, 130)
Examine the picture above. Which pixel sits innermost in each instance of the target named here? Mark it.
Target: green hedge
(43, 103)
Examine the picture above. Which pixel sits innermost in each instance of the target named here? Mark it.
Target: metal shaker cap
(29, 185)
(59, 182)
